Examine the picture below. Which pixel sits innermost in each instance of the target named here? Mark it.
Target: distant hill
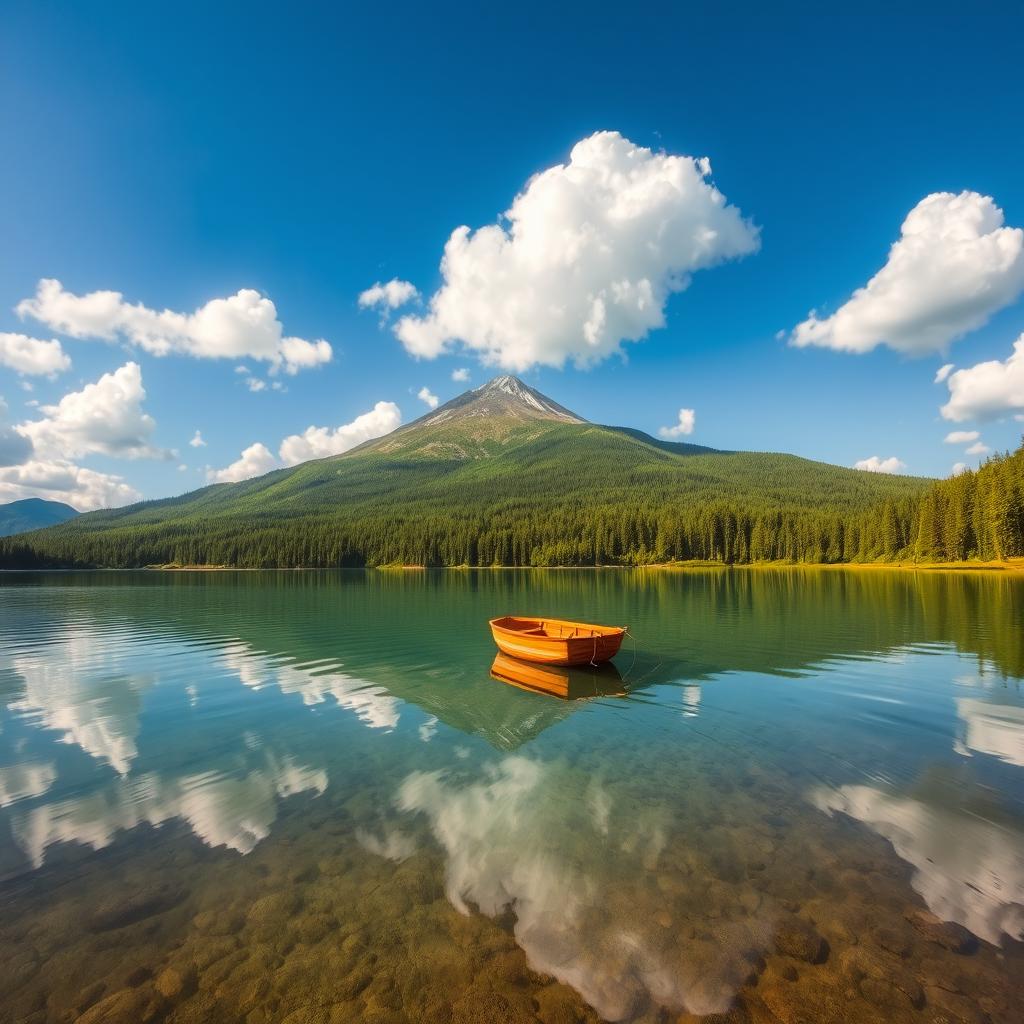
(503, 475)
(33, 514)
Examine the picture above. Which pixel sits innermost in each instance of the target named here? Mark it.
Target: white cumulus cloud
(313, 443)
(943, 372)
(320, 442)
(978, 448)
(243, 325)
(953, 266)
(389, 295)
(874, 464)
(585, 258)
(60, 480)
(961, 436)
(684, 426)
(958, 468)
(255, 384)
(197, 440)
(461, 374)
(105, 418)
(25, 474)
(255, 460)
(987, 390)
(299, 354)
(23, 354)
(424, 395)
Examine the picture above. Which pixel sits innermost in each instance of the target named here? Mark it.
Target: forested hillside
(974, 515)
(575, 495)
(510, 478)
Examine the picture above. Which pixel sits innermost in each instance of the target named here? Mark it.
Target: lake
(302, 797)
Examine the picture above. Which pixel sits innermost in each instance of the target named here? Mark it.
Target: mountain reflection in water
(305, 794)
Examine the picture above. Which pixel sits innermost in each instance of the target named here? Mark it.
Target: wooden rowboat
(559, 681)
(556, 641)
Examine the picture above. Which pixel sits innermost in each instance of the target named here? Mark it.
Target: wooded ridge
(499, 479)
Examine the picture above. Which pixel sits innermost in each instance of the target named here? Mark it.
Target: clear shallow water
(297, 796)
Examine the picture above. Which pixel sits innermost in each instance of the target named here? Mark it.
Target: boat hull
(556, 641)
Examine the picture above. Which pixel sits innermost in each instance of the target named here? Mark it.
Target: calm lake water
(301, 797)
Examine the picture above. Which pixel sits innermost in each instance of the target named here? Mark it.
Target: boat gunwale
(599, 632)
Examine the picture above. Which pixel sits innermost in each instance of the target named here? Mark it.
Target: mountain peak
(506, 382)
(488, 413)
(509, 390)
(503, 396)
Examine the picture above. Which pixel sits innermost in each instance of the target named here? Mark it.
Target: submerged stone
(173, 983)
(120, 912)
(129, 1006)
(800, 940)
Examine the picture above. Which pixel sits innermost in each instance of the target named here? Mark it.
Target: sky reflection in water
(780, 729)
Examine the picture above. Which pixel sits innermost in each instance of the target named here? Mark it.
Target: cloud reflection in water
(371, 703)
(966, 869)
(24, 781)
(996, 729)
(560, 850)
(220, 809)
(76, 688)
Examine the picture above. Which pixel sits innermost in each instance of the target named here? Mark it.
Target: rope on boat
(633, 662)
(594, 663)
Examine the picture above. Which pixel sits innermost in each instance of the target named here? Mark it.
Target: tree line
(975, 515)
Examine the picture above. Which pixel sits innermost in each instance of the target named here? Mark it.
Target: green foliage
(550, 494)
(975, 515)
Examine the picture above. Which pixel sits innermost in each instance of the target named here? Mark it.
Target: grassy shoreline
(1013, 565)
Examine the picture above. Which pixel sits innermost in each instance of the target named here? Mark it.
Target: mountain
(503, 398)
(477, 423)
(32, 514)
(502, 474)
(485, 420)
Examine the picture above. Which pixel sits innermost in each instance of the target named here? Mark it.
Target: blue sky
(178, 155)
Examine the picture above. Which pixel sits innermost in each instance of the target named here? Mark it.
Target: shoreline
(1012, 566)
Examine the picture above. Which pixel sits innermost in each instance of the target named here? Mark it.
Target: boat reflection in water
(568, 683)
